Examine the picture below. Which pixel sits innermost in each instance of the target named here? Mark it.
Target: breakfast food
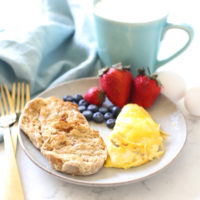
(173, 85)
(92, 112)
(63, 136)
(136, 139)
(95, 95)
(116, 83)
(191, 101)
(146, 89)
(121, 88)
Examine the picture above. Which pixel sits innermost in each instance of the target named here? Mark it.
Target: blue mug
(135, 44)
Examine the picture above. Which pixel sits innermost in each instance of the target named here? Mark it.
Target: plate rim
(93, 183)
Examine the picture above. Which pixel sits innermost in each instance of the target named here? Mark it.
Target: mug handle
(185, 27)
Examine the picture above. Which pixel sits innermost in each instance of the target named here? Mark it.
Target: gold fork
(12, 187)
(20, 98)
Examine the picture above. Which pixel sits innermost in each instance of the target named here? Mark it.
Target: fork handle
(14, 136)
(13, 187)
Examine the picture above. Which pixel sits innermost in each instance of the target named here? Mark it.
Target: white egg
(192, 101)
(173, 85)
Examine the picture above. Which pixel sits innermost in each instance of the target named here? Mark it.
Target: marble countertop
(180, 180)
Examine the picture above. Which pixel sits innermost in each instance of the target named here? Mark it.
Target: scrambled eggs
(135, 139)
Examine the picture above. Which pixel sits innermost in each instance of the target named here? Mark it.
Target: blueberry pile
(98, 114)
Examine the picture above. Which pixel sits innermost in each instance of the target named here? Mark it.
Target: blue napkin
(59, 48)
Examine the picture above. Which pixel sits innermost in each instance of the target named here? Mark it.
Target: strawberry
(95, 95)
(116, 83)
(146, 89)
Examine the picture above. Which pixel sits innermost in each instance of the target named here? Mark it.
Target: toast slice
(63, 136)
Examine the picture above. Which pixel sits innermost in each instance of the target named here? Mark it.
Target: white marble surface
(180, 180)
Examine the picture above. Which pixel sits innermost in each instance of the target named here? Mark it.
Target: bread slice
(63, 135)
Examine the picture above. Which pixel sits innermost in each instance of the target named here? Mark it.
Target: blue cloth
(60, 47)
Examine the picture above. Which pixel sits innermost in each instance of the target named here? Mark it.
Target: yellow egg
(136, 139)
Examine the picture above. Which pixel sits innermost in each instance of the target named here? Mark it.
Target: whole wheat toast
(63, 136)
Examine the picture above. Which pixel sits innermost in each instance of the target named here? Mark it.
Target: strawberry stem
(103, 71)
(141, 71)
(149, 71)
(117, 66)
(150, 75)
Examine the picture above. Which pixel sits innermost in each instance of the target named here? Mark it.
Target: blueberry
(108, 115)
(115, 111)
(83, 102)
(78, 97)
(98, 117)
(93, 108)
(87, 114)
(82, 108)
(110, 123)
(68, 98)
(103, 110)
(110, 108)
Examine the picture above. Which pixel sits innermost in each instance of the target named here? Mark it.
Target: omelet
(135, 139)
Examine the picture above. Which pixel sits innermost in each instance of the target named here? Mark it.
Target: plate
(163, 112)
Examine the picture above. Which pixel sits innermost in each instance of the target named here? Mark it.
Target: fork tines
(20, 95)
(15, 99)
(5, 99)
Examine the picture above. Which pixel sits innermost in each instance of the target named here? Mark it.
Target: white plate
(163, 112)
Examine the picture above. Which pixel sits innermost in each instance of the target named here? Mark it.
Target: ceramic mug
(134, 43)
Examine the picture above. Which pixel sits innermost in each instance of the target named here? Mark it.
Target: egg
(191, 101)
(173, 85)
(136, 139)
